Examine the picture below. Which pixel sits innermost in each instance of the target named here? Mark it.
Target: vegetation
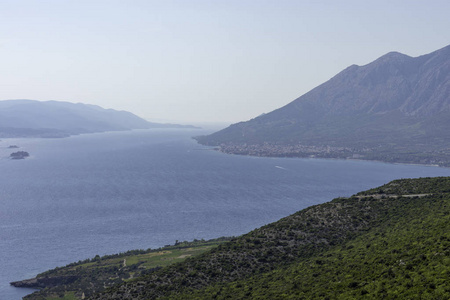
(402, 151)
(19, 155)
(391, 242)
(389, 245)
(93, 275)
(437, 185)
(407, 256)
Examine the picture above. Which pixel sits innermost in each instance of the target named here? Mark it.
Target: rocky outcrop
(42, 282)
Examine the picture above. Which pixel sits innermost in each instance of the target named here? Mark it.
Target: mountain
(388, 242)
(394, 109)
(30, 118)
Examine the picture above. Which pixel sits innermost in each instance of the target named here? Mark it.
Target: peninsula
(56, 119)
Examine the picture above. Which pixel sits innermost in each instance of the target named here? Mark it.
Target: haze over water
(105, 193)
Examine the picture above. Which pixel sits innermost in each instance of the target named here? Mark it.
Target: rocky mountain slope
(397, 105)
(30, 118)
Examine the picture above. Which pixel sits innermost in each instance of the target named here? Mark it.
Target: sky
(201, 61)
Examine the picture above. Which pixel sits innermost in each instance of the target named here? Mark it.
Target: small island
(19, 155)
(13, 147)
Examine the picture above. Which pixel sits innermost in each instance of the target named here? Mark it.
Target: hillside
(389, 242)
(393, 109)
(392, 241)
(406, 257)
(96, 274)
(30, 118)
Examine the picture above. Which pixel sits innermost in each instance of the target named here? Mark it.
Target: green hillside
(407, 256)
(93, 275)
(390, 242)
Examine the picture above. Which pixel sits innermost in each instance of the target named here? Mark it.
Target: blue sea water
(105, 193)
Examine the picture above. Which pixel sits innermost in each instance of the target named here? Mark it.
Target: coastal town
(378, 153)
(297, 150)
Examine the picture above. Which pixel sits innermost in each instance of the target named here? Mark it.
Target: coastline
(331, 157)
(80, 151)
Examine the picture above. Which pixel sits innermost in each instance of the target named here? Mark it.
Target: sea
(105, 193)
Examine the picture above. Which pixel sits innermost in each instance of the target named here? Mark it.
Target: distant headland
(57, 119)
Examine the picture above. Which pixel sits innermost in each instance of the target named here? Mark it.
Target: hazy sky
(196, 61)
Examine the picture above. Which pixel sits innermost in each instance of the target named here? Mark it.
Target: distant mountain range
(396, 108)
(31, 118)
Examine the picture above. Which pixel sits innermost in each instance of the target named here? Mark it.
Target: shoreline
(329, 158)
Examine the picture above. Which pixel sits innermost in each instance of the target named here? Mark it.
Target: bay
(105, 193)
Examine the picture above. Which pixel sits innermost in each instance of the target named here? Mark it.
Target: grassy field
(93, 275)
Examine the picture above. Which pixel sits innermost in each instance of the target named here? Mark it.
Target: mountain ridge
(32, 118)
(392, 102)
